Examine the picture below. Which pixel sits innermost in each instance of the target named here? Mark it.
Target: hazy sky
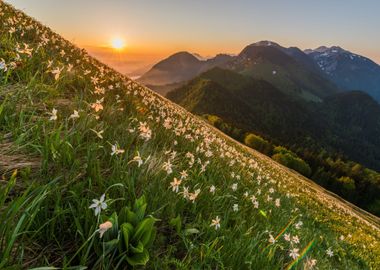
(157, 28)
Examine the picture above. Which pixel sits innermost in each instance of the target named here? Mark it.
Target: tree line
(332, 170)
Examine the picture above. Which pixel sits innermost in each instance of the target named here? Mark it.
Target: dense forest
(332, 170)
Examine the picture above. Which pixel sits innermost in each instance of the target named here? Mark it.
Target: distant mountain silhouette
(178, 68)
(309, 74)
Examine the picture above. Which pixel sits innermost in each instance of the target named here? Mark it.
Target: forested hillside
(334, 137)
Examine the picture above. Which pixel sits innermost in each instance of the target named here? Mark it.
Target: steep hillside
(355, 117)
(348, 70)
(80, 143)
(345, 125)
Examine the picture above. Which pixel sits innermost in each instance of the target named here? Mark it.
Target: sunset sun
(117, 43)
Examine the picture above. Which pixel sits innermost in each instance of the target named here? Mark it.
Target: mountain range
(305, 93)
(348, 70)
(310, 74)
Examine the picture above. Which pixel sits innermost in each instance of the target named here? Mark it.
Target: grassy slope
(63, 165)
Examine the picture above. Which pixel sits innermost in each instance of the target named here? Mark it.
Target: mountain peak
(348, 70)
(184, 54)
(200, 57)
(325, 49)
(265, 43)
(180, 67)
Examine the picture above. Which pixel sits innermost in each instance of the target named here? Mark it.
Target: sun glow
(117, 43)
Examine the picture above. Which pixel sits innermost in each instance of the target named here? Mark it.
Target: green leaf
(210, 248)
(140, 207)
(139, 258)
(2, 105)
(191, 231)
(263, 213)
(176, 224)
(131, 217)
(140, 212)
(151, 238)
(139, 202)
(127, 230)
(138, 249)
(111, 244)
(123, 215)
(4, 191)
(144, 230)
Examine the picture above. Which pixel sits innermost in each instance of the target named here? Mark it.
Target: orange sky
(154, 29)
(134, 61)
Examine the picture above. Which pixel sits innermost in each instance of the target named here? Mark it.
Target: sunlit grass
(90, 131)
